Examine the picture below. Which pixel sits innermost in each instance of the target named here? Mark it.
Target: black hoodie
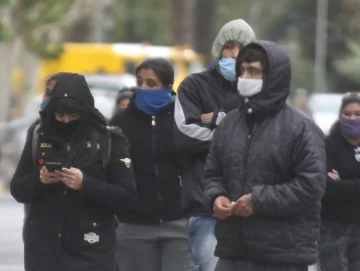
(62, 222)
(281, 162)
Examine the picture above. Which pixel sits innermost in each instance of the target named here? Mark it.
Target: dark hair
(161, 67)
(252, 54)
(348, 98)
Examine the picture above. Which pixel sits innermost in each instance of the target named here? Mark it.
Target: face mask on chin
(249, 87)
(227, 68)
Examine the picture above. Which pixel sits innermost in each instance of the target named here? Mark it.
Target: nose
(246, 75)
(67, 119)
(143, 86)
(353, 116)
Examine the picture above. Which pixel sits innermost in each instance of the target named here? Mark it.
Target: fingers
(333, 176)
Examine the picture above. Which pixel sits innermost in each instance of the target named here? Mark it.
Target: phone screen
(52, 166)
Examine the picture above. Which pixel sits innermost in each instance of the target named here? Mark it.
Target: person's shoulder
(302, 123)
(193, 80)
(118, 118)
(230, 118)
(33, 126)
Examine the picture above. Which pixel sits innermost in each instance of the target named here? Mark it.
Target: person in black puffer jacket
(340, 221)
(152, 235)
(70, 225)
(266, 172)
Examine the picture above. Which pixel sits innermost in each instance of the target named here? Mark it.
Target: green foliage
(30, 16)
(349, 66)
(343, 26)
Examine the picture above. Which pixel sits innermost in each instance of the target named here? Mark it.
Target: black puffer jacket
(156, 164)
(281, 162)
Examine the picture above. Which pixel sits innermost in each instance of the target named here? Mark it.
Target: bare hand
(222, 208)
(243, 206)
(48, 177)
(334, 175)
(207, 118)
(71, 177)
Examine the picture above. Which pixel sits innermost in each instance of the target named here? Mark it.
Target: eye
(139, 82)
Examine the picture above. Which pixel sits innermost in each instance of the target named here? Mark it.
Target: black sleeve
(338, 190)
(214, 179)
(304, 192)
(25, 185)
(190, 133)
(119, 192)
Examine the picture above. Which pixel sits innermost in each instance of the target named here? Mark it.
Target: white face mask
(249, 87)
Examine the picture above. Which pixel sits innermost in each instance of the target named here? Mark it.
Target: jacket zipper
(246, 160)
(153, 124)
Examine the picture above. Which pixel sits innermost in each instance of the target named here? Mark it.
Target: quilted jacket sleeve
(214, 180)
(302, 194)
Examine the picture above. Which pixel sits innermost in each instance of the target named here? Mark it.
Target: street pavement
(11, 246)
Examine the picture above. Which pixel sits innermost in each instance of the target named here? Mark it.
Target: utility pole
(321, 45)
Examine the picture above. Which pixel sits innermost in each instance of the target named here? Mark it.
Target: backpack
(106, 151)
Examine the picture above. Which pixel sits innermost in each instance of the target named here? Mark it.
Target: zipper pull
(153, 123)
(68, 147)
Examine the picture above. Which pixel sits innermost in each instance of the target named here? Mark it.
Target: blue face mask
(151, 101)
(227, 68)
(43, 105)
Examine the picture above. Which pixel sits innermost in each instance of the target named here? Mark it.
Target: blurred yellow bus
(119, 58)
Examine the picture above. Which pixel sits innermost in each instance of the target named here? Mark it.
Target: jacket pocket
(91, 237)
(261, 234)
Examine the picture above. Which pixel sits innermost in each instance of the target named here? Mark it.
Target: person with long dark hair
(81, 176)
(340, 229)
(152, 235)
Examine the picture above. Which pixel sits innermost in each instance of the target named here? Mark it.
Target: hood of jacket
(276, 84)
(73, 85)
(236, 30)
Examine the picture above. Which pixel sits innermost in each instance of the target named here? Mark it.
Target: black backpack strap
(34, 142)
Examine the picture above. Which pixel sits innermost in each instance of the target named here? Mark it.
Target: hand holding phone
(47, 177)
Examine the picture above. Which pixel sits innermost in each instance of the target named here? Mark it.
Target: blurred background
(107, 39)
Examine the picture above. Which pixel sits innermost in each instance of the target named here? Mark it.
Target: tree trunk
(10, 55)
(204, 25)
(180, 22)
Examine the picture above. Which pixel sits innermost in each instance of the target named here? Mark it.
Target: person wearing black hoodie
(152, 235)
(71, 225)
(266, 172)
(340, 227)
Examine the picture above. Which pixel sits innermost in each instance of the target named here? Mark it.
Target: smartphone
(52, 166)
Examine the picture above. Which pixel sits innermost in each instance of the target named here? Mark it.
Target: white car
(325, 108)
